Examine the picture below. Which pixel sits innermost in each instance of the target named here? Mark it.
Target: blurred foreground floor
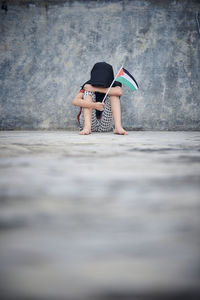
(99, 217)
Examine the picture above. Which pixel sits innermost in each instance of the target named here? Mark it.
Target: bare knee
(88, 98)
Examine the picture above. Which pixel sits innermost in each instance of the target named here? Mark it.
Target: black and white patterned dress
(103, 124)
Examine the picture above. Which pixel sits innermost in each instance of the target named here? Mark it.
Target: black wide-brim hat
(101, 75)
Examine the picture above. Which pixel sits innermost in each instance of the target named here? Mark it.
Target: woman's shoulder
(87, 82)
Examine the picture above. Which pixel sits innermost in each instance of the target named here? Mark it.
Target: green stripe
(126, 82)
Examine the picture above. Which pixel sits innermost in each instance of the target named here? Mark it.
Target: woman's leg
(88, 119)
(87, 115)
(116, 111)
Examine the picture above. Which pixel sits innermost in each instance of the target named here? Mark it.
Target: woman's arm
(87, 102)
(114, 91)
(79, 101)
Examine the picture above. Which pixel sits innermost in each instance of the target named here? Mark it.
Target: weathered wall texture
(48, 49)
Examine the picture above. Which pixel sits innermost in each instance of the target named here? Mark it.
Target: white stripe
(130, 80)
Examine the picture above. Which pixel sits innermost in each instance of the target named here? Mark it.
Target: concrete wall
(47, 49)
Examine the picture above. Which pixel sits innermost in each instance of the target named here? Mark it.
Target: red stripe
(121, 73)
(79, 114)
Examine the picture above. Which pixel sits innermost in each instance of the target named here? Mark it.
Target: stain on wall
(47, 49)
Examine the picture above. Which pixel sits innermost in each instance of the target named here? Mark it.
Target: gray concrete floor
(100, 216)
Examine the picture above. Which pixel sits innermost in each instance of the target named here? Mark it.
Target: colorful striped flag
(126, 78)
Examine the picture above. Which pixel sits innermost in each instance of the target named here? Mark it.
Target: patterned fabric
(99, 125)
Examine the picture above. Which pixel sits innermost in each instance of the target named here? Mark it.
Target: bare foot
(85, 131)
(120, 131)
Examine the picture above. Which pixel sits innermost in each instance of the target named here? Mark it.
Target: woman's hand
(99, 106)
(89, 88)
